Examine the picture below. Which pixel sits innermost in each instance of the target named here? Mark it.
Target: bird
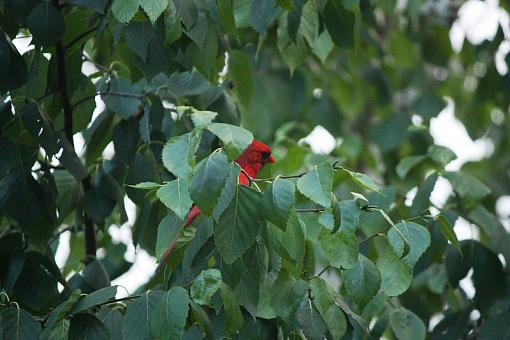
(251, 161)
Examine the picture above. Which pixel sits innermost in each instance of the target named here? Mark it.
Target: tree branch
(90, 234)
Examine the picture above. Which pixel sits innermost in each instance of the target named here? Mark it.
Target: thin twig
(317, 210)
(78, 38)
(57, 235)
(270, 179)
(323, 270)
(376, 234)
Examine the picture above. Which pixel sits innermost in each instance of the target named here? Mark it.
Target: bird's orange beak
(271, 159)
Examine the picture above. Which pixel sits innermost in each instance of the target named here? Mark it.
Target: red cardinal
(251, 161)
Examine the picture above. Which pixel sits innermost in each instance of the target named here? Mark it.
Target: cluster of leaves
(312, 249)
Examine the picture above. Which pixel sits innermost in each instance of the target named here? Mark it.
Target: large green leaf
(407, 325)
(208, 181)
(137, 322)
(396, 275)
(234, 139)
(341, 248)
(239, 224)
(169, 317)
(178, 155)
(168, 230)
(286, 294)
(317, 183)
(278, 201)
(153, 8)
(240, 71)
(234, 319)
(310, 321)
(98, 297)
(124, 10)
(46, 24)
(342, 21)
(85, 326)
(470, 189)
(362, 282)
(324, 300)
(175, 195)
(205, 286)
(416, 236)
(16, 324)
(228, 191)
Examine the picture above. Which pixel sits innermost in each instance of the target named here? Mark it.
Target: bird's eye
(266, 155)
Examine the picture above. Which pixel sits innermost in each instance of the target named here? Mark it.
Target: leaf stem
(317, 210)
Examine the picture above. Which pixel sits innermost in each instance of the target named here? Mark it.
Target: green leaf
(12, 67)
(406, 325)
(226, 16)
(208, 181)
(278, 201)
(350, 213)
(122, 105)
(294, 53)
(124, 10)
(316, 184)
(234, 321)
(470, 189)
(310, 321)
(205, 286)
(96, 5)
(59, 331)
(178, 154)
(406, 164)
(262, 14)
(234, 138)
(341, 248)
(241, 73)
(342, 19)
(93, 299)
(362, 282)
(168, 230)
(138, 35)
(17, 324)
(363, 180)
(327, 220)
(85, 326)
(397, 271)
(293, 239)
(422, 199)
(46, 24)
(169, 317)
(441, 154)
(417, 237)
(324, 300)
(175, 195)
(201, 119)
(228, 191)
(238, 226)
(137, 322)
(335, 320)
(146, 185)
(286, 294)
(448, 232)
(173, 29)
(153, 8)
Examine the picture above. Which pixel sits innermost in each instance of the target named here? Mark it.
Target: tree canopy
(151, 101)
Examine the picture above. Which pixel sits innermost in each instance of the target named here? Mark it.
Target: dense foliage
(320, 246)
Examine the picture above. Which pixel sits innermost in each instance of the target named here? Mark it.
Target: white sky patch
(320, 140)
(450, 132)
(479, 21)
